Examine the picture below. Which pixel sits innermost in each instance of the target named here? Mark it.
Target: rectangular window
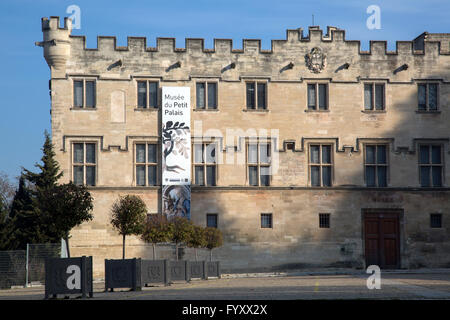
(142, 94)
(324, 220)
(146, 164)
(206, 93)
(256, 93)
(78, 94)
(317, 96)
(427, 96)
(90, 94)
(205, 164)
(375, 165)
(320, 164)
(84, 93)
(431, 165)
(147, 94)
(211, 220)
(266, 220)
(258, 162)
(84, 163)
(435, 220)
(374, 97)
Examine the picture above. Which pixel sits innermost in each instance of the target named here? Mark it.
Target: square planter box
(123, 273)
(197, 269)
(178, 271)
(154, 271)
(212, 269)
(68, 276)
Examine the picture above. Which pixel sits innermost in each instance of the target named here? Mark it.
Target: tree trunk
(67, 246)
(123, 251)
(195, 249)
(210, 254)
(176, 250)
(154, 252)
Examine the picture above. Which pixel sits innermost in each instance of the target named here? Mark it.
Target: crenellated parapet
(290, 59)
(164, 44)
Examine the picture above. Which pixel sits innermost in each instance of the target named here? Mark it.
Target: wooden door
(382, 245)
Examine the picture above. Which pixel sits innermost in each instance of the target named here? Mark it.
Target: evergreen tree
(5, 227)
(24, 219)
(49, 175)
(44, 183)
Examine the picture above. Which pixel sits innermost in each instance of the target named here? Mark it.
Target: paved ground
(427, 285)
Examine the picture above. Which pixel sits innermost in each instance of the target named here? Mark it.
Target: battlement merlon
(56, 42)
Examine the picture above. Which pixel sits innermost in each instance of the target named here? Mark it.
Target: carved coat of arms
(316, 60)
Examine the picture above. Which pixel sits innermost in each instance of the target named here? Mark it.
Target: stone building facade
(358, 140)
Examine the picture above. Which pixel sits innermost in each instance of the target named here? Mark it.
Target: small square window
(435, 220)
(324, 220)
(211, 220)
(266, 220)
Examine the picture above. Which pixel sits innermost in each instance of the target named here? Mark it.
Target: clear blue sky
(25, 102)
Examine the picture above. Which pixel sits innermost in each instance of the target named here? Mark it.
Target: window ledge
(312, 110)
(146, 109)
(429, 111)
(207, 110)
(373, 111)
(256, 110)
(83, 108)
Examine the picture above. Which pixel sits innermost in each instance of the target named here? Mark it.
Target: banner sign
(176, 136)
(176, 151)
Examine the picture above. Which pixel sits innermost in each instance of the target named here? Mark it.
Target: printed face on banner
(176, 136)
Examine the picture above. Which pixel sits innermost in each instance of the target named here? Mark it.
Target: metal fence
(22, 267)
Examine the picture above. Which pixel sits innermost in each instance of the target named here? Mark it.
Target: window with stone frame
(206, 95)
(205, 166)
(259, 163)
(256, 95)
(147, 94)
(376, 165)
(320, 165)
(431, 160)
(84, 93)
(84, 163)
(317, 96)
(374, 96)
(146, 164)
(427, 96)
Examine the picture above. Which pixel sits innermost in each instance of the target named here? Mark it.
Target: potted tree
(213, 239)
(156, 230)
(128, 216)
(197, 239)
(182, 230)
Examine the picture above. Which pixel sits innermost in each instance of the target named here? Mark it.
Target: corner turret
(56, 42)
